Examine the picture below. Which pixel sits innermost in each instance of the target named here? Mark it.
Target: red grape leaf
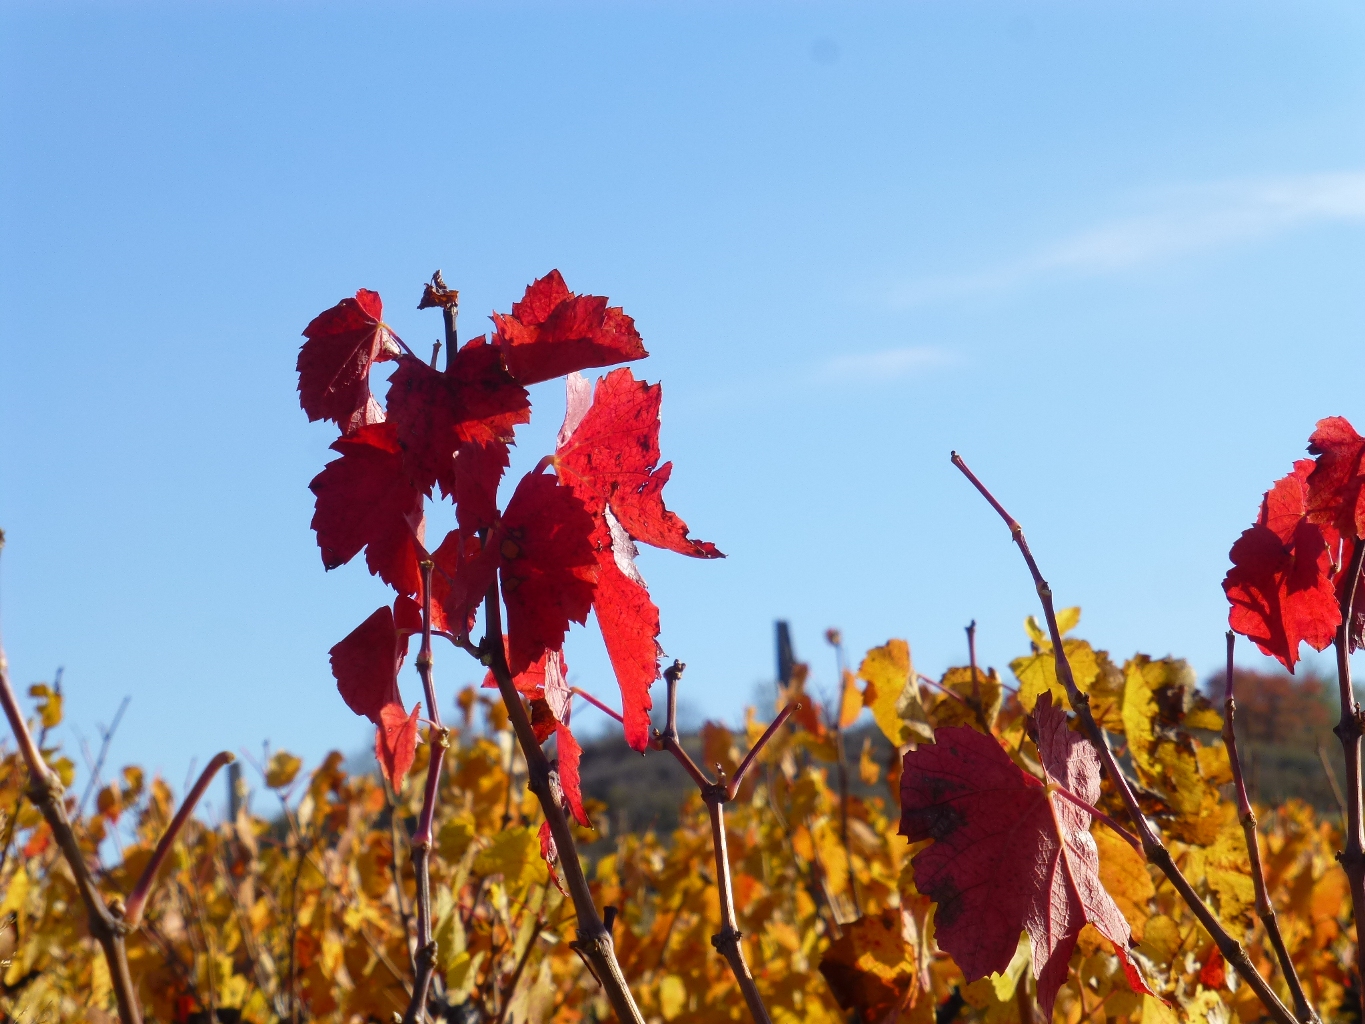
(365, 500)
(1357, 631)
(395, 742)
(550, 854)
(552, 331)
(366, 661)
(334, 363)
(1006, 856)
(609, 457)
(1336, 488)
(531, 682)
(629, 622)
(436, 413)
(569, 754)
(465, 569)
(547, 565)
(1280, 585)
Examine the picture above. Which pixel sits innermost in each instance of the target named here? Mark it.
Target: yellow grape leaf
(868, 768)
(949, 711)
(101, 985)
(1154, 1011)
(851, 702)
(50, 704)
(281, 770)
(1067, 620)
(869, 967)
(1006, 983)
(514, 854)
(1161, 940)
(717, 746)
(15, 895)
(672, 996)
(1037, 673)
(454, 837)
(894, 694)
(1214, 765)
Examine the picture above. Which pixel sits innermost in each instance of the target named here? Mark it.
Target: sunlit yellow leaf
(672, 996)
(851, 702)
(895, 696)
(282, 769)
(1005, 983)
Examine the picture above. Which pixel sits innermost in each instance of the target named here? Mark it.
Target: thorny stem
(46, 792)
(726, 941)
(1348, 730)
(1152, 846)
(836, 641)
(438, 739)
(132, 914)
(1265, 910)
(594, 943)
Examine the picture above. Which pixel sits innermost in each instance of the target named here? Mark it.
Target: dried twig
(1152, 846)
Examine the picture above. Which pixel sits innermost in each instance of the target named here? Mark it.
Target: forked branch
(1152, 845)
(727, 940)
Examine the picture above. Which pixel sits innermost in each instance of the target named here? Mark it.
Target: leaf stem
(594, 943)
(1098, 814)
(605, 709)
(725, 941)
(1152, 846)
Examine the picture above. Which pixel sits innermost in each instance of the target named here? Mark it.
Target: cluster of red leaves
(564, 544)
(1288, 575)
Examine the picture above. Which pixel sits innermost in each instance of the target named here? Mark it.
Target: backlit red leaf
(550, 854)
(609, 458)
(552, 331)
(1336, 488)
(1006, 856)
(365, 500)
(365, 663)
(436, 413)
(547, 565)
(1280, 585)
(395, 742)
(334, 363)
(629, 622)
(569, 754)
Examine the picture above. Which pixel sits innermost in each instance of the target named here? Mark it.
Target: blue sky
(1111, 253)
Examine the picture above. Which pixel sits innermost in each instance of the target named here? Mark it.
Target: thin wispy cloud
(883, 366)
(1191, 220)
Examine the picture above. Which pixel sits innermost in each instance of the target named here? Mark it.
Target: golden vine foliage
(303, 910)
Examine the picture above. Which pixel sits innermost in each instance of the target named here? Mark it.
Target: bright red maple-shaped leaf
(552, 332)
(609, 457)
(1007, 856)
(365, 500)
(395, 742)
(1336, 487)
(1280, 584)
(472, 408)
(607, 452)
(629, 621)
(541, 548)
(334, 363)
(366, 661)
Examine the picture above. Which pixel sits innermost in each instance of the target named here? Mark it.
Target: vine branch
(1152, 846)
